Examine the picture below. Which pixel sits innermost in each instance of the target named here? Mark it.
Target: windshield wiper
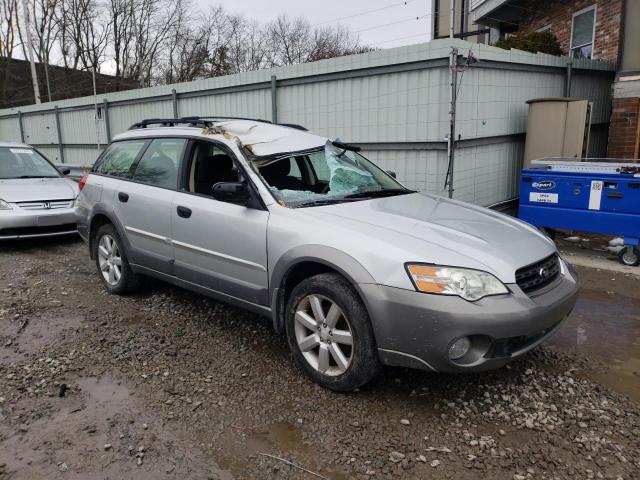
(36, 176)
(389, 192)
(319, 202)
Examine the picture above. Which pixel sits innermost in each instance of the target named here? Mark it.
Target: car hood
(434, 229)
(33, 189)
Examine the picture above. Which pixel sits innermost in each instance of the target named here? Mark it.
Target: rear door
(219, 245)
(143, 203)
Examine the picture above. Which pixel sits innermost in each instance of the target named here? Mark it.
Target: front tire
(630, 256)
(330, 334)
(111, 262)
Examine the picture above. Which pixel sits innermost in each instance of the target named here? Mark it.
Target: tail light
(82, 182)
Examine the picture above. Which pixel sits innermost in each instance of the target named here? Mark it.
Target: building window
(583, 31)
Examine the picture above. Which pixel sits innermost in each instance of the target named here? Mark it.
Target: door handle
(123, 197)
(184, 212)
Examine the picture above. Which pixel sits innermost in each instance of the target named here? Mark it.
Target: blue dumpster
(587, 197)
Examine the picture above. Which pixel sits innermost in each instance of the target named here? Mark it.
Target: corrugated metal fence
(394, 103)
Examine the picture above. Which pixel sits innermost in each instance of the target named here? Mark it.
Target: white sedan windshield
(22, 162)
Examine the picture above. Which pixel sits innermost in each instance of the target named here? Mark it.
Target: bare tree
(334, 42)
(83, 34)
(289, 41)
(186, 55)
(141, 29)
(8, 26)
(248, 46)
(164, 41)
(44, 31)
(293, 41)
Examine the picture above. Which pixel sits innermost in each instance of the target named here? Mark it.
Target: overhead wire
(401, 38)
(366, 12)
(393, 23)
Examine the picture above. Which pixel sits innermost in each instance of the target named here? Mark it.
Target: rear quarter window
(119, 156)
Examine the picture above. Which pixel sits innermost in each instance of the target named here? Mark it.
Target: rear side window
(119, 157)
(160, 164)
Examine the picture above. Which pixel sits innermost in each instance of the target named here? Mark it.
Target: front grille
(538, 275)
(46, 204)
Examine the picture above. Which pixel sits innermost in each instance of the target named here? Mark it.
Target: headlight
(469, 284)
(4, 205)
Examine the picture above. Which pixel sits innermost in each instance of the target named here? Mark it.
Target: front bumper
(415, 330)
(19, 224)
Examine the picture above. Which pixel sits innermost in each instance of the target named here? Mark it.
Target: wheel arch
(305, 261)
(100, 218)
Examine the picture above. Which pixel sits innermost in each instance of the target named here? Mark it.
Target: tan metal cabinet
(557, 128)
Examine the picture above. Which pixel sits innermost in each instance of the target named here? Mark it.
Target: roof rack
(294, 125)
(290, 125)
(202, 122)
(170, 122)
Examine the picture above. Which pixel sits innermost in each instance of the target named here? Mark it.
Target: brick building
(599, 29)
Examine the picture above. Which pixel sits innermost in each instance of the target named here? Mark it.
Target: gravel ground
(169, 384)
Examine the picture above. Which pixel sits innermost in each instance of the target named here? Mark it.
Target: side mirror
(391, 173)
(234, 192)
(65, 171)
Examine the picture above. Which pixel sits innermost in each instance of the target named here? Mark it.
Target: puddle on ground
(67, 442)
(606, 328)
(103, 390)
(25, 336)
(280, 439)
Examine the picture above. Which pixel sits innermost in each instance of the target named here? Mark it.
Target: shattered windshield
(324, 176)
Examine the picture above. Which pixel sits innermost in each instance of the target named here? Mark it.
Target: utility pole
(34, 75)
(46, 70)
(95, 110)
(453, 75)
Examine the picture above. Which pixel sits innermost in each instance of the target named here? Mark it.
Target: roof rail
(170, 122)
(294, 125)
(224, 117)
(203, 122)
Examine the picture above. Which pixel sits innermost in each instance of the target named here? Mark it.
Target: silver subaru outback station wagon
(356, 270)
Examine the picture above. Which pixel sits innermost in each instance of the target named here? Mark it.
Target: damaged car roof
(261, 139)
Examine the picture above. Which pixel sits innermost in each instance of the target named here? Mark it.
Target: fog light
(459, 348)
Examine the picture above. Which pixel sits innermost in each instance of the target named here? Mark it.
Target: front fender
(331, 257)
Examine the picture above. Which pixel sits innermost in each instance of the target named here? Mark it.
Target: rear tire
(629, 256)
(329, 333)
(111, 262)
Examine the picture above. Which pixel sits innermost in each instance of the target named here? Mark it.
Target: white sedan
(36, 200)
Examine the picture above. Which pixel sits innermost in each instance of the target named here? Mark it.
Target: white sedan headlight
(4, 205)
(469, 284)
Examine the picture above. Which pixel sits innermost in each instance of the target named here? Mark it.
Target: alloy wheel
(629, 257)
(323, 334)
(109, 260)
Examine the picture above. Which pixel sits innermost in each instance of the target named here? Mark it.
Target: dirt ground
(168, 384)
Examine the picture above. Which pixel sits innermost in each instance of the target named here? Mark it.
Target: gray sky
(373, 27)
